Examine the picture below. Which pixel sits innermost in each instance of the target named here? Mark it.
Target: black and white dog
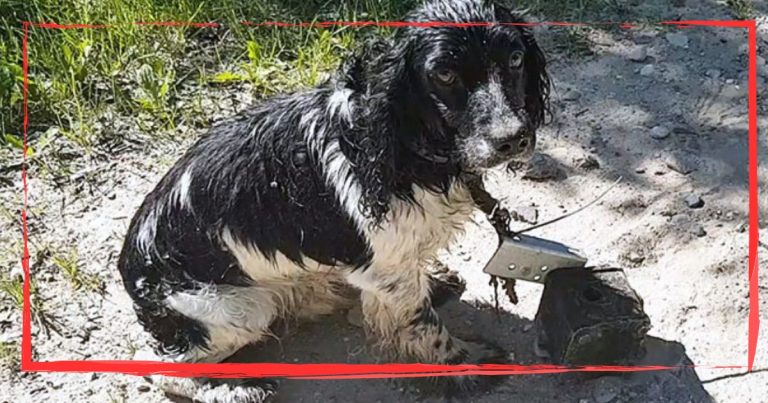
(358, 182)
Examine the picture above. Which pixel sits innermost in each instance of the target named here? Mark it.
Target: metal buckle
(529, 258)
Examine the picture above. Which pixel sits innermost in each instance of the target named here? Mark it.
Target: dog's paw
(445, 284)
(461, 386)
(207, 390)
(246, 391)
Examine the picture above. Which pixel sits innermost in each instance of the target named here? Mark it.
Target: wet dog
(288, 208)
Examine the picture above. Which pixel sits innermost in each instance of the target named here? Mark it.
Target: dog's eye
(445, 77)
(516, 60)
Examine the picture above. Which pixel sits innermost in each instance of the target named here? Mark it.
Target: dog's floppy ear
(537, 86)
(389, 70)
(380, 73)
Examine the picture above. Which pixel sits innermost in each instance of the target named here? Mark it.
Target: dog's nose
(515, 145)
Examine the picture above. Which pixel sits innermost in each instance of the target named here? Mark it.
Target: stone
(542, 167)
(713, 73)
(692, 200)
(681, 162)
(660, 132)
(684, 223)
(645, 37)
(677, 39)
(647, 70)
(638, 53)
(588, 162)
(571, 95)
(17, 272)
(635, 257)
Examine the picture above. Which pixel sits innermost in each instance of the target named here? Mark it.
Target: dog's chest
(415, 232)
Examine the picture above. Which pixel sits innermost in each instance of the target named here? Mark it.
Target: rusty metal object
(591, 317)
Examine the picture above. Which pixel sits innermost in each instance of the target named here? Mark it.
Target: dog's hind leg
(323, 293)
(227, 319)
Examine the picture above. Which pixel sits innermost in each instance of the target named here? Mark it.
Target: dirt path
(663, 108)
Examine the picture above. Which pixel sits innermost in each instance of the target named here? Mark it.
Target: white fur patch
(340, 103)
(504, 123)
(258, 267)
(145, 239)
(250, 309)
(180, 192)
(414, 234)
(338, 174)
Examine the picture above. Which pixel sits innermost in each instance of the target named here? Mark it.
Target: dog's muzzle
(517, 146)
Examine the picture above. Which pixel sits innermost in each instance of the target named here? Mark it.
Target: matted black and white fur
(275, 213)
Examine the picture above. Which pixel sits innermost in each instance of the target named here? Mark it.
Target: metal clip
(530, 258)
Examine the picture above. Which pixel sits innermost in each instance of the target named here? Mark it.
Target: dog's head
(474, 94)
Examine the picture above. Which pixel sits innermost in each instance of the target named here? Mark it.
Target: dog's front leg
(398, 311)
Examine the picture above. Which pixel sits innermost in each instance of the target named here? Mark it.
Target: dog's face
(482, 90)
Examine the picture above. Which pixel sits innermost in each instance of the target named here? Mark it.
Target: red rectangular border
(348, 371)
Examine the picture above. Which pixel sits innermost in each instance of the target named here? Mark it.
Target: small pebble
(693, 200)
(571, 95)
(683, 163)
(659, 132)
(647, 70)
(143, 388)
(638, 54)
(588, 162)
(542, 167)
(677, 39)
(635, 257)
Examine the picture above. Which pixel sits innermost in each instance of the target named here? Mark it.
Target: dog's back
(251, 186)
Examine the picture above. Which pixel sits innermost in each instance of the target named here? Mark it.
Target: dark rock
(542, 167)
(681, 162)
(685, 224)
(693, 200)
(587, 162)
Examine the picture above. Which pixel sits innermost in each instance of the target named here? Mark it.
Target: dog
(309, 201)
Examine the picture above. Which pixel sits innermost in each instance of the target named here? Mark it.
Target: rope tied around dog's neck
(500, 218)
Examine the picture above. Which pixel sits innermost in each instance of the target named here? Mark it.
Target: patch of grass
(571, 10)
(69, 266)
(10, 355)
(77, 75)
(741, 9)
(573, 41)
(12, 289)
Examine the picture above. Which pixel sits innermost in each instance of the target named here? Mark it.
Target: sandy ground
(663, 108)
